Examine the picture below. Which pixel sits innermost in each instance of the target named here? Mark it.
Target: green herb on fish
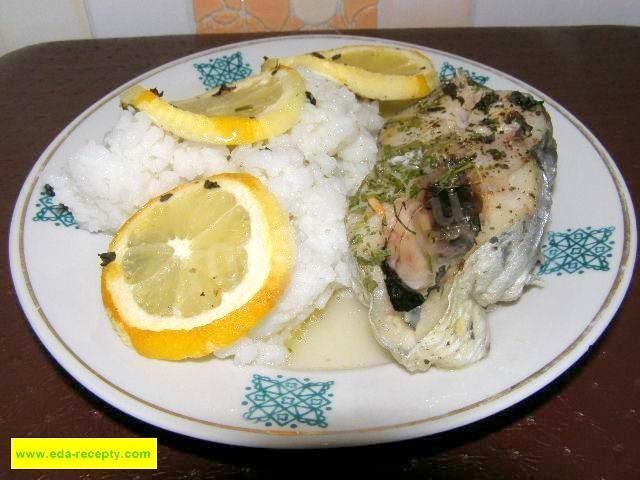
(486, 101)
(486, 139)
(388, 152)
(369, 283)
(451, 90)
(459, 166)
(375, 258)
(524, 101)
(490, 122)
(496, 154)
(426, 107)
(525, 128)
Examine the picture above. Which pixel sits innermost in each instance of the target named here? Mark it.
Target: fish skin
(450, 329)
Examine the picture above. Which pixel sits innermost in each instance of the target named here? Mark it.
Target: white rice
(311, 170)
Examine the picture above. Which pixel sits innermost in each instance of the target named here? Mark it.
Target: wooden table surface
(584, 425)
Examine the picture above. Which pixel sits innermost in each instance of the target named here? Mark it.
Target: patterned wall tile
(424, 13)
(222, 16)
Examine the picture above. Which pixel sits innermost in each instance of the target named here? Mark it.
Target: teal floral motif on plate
(577, 250)
(448, 71)
(223, 70)
(53, 212)
(287, 401)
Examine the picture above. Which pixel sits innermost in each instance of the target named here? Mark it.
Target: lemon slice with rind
(371, 71)
(198, 267)
(256, 108)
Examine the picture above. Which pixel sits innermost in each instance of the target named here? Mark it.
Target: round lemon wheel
(197, 268)
(254, 109)
(370, 71)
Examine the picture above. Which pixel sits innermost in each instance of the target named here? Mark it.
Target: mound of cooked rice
(311, 169)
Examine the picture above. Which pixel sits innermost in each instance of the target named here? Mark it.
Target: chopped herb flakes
(375, 258)
(336, 56)
(486, 101)
(450, 89)
(165, 197)
(429, 108)
(107, 258)
(369, 283)
(243, 108)
(450, 177)
(486, 139)
(524, 101)
(156, 92)
(388, 152)
(525, 128)
(496, 154)
(310, 97)
(208, 184)
(318, 55)
(224, 88)
(490, 122)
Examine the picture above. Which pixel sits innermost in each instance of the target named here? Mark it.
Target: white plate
(590, 256)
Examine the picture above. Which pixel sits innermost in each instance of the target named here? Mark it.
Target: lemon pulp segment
(187, 253)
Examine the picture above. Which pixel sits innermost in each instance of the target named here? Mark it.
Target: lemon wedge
(256, 108)
(371, 71)
(198, 267)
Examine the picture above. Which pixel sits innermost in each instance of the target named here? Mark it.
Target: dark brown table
(584, 425)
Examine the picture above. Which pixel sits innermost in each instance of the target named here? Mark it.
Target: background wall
(26, 22)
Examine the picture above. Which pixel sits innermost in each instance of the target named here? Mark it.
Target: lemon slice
(256, 108)
(198, 267)
(371, 71)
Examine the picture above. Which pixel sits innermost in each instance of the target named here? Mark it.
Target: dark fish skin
(454, 212)
(402, 297)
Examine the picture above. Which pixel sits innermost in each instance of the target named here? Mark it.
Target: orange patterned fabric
(229, 16)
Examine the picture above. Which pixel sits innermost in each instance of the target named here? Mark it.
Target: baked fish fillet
(450, 219)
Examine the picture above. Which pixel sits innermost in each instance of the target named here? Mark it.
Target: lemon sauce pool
(336, 337)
